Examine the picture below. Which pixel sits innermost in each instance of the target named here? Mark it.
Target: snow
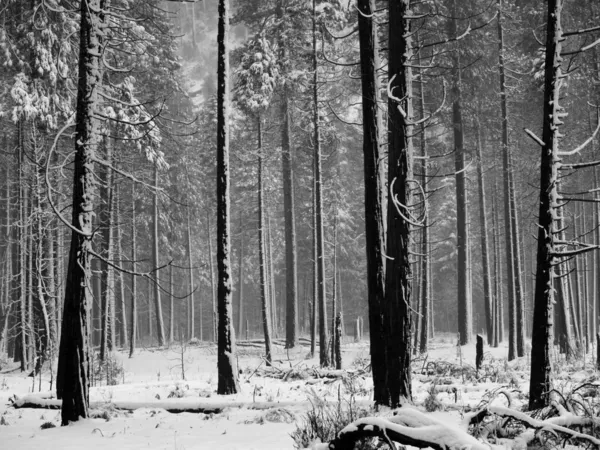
(151, 383)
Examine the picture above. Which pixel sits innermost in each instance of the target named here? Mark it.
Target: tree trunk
(321, 288)
(508, 222)
(465, 319)
(374, 230)
(212, 270)
(133, 319)
(291, 275)
(240, 290)
(334, 317)
(226, 362)
(264, 298)
(192, 301)
(540, 383)
(397, 305)
(487, 286)
(73, 362)
(121, 256)
(160, 329)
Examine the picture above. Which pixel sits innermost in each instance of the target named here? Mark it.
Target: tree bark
(321, 288)
(397, 305)
(73, 361)
(487, 286)
(291, 272)
(226, 362)
(540, 383)
(134, 314)
(465, 319)
(374, 230)
(264, 298)
(160, 328)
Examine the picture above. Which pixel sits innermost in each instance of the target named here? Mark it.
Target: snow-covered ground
(248, 420)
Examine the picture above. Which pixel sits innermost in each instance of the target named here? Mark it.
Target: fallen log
(171, 406)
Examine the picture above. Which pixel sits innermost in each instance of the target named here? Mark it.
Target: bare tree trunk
(192, 300)
(540, 383)
(241, 279)
(134, 314)
(212, 278)
(291, 274)
(465, 319)
(73, 362)
(160, 329)
(264, 298)
(226, 362)
(487, 287)
(374, 215)
(321, 288)
(397, 305)
(508, 219)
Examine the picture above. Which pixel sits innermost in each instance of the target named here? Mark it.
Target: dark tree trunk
(226, 362)
(321, 288)
(397, 305)
(192, 300)
(240, 290)
(465, 319)
(374, 231)
(291, 273)
(338, 342)
(264, 298)
(160, 329)
(73, 362)
(508, 222)
(540, 383)
(134, 314)
(487, 285)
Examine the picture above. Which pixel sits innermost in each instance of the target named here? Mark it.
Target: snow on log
(172, 406)
(408, 427)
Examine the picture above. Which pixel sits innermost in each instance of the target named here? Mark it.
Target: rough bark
(374, 230)
(540, 382)
(73, 361)
(397, 305)
(264, 298)
(291, 272)
(487, 285)
(508, 222)
(465, 319)
(134, 314)
(226, 362)
(320, 244)
(160, 328)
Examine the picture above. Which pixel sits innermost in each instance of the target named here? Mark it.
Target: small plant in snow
(431, 402)
(47, 425)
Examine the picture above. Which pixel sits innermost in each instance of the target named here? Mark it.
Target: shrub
(109, 371)
(326, 419)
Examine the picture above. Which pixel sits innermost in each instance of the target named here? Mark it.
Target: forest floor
(272, 402)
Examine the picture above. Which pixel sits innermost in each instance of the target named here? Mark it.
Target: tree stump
(479, 353)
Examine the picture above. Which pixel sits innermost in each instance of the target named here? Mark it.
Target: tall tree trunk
(487, 286)
(508, 219)
(465, 319)
(192, 300)
(160, 329)
(22, 254)
(73, 362)
(334, 314)
(240, 290)
(212, 276)
(226, 362)
(291, 271)
(121, 257)
(423, 339)
(397, 305)
(374, 219)
(321, 288)
(264, 297)
(134, 314)
(540, 383)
